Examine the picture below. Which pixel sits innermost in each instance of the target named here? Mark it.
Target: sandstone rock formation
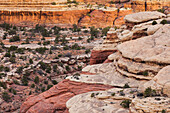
(55, 98)
(98, 18)
(143, 16)
(139, 61)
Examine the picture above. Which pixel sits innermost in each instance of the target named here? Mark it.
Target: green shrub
(6, 97)
(16, 82)
(43, 89)
(7, 54)
(113, 94)
(163, 111)
(149, 92)
(125, 103)
(36, 79)
(24, 80)
(3, 84)
(45, 82)
(161, 10)
(54, 82)
(53, 3)
(49, 86)
(126, 86)
(87, 51)
(154, 22)
(6, 69)
(32, 85)
(163, 22)
(92, 95)
(67, 68)
(30, 61)
(105, 30)
(145, 73)
(19, 70)
(13, 91)
(12, 60)
(14, 39)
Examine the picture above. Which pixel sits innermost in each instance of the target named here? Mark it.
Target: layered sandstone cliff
(139, 60)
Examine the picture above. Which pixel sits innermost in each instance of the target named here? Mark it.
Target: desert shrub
(154, 22)
(12, 60)
(13, 91)
(48, 69)
(6, 97)
(163, 22)
(16, 82)
(7, 54)
(19, 70)
(14, 39)
(49, 86)
(53, 3)
(87, 51)
(125, 103)
(45, 82)
(36, 79)
(149, 92)
(126, 86)
(32, 85)
(163, 111)
(24, 80)
(161, 10)
(94, 32)
(3, 84)
(67, 68)
(92, 95)
(145, 73)
(30, 61)
(105, 30)
(1, 67)
(13, 48)
(54, 82)
(6, 69)
(41, 50)
(113, 94)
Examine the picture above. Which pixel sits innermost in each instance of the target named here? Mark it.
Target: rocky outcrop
(99, 56)
(150, 105)
(139, 63)
(143, 16)
(55, 98)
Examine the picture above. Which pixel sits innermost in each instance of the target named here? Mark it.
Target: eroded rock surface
(55, 98)
(143, 16)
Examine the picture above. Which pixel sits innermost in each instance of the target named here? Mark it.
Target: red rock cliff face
(99, 56)
(99, 18)
(139, 5)
(53, 17)
(54, 99)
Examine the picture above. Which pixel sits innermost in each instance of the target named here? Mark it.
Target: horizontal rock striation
(54, 99)
(139, 62)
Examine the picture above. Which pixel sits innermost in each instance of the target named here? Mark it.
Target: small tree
(30, 61)
(6, 97)
(36, 80)
(125, 103)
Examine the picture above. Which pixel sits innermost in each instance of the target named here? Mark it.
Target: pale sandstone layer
(138, 60)
(141, 63)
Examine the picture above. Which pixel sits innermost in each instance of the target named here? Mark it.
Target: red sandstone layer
(55, 98)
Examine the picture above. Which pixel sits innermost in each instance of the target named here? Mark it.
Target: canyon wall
(42, 17)
(43, 12)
